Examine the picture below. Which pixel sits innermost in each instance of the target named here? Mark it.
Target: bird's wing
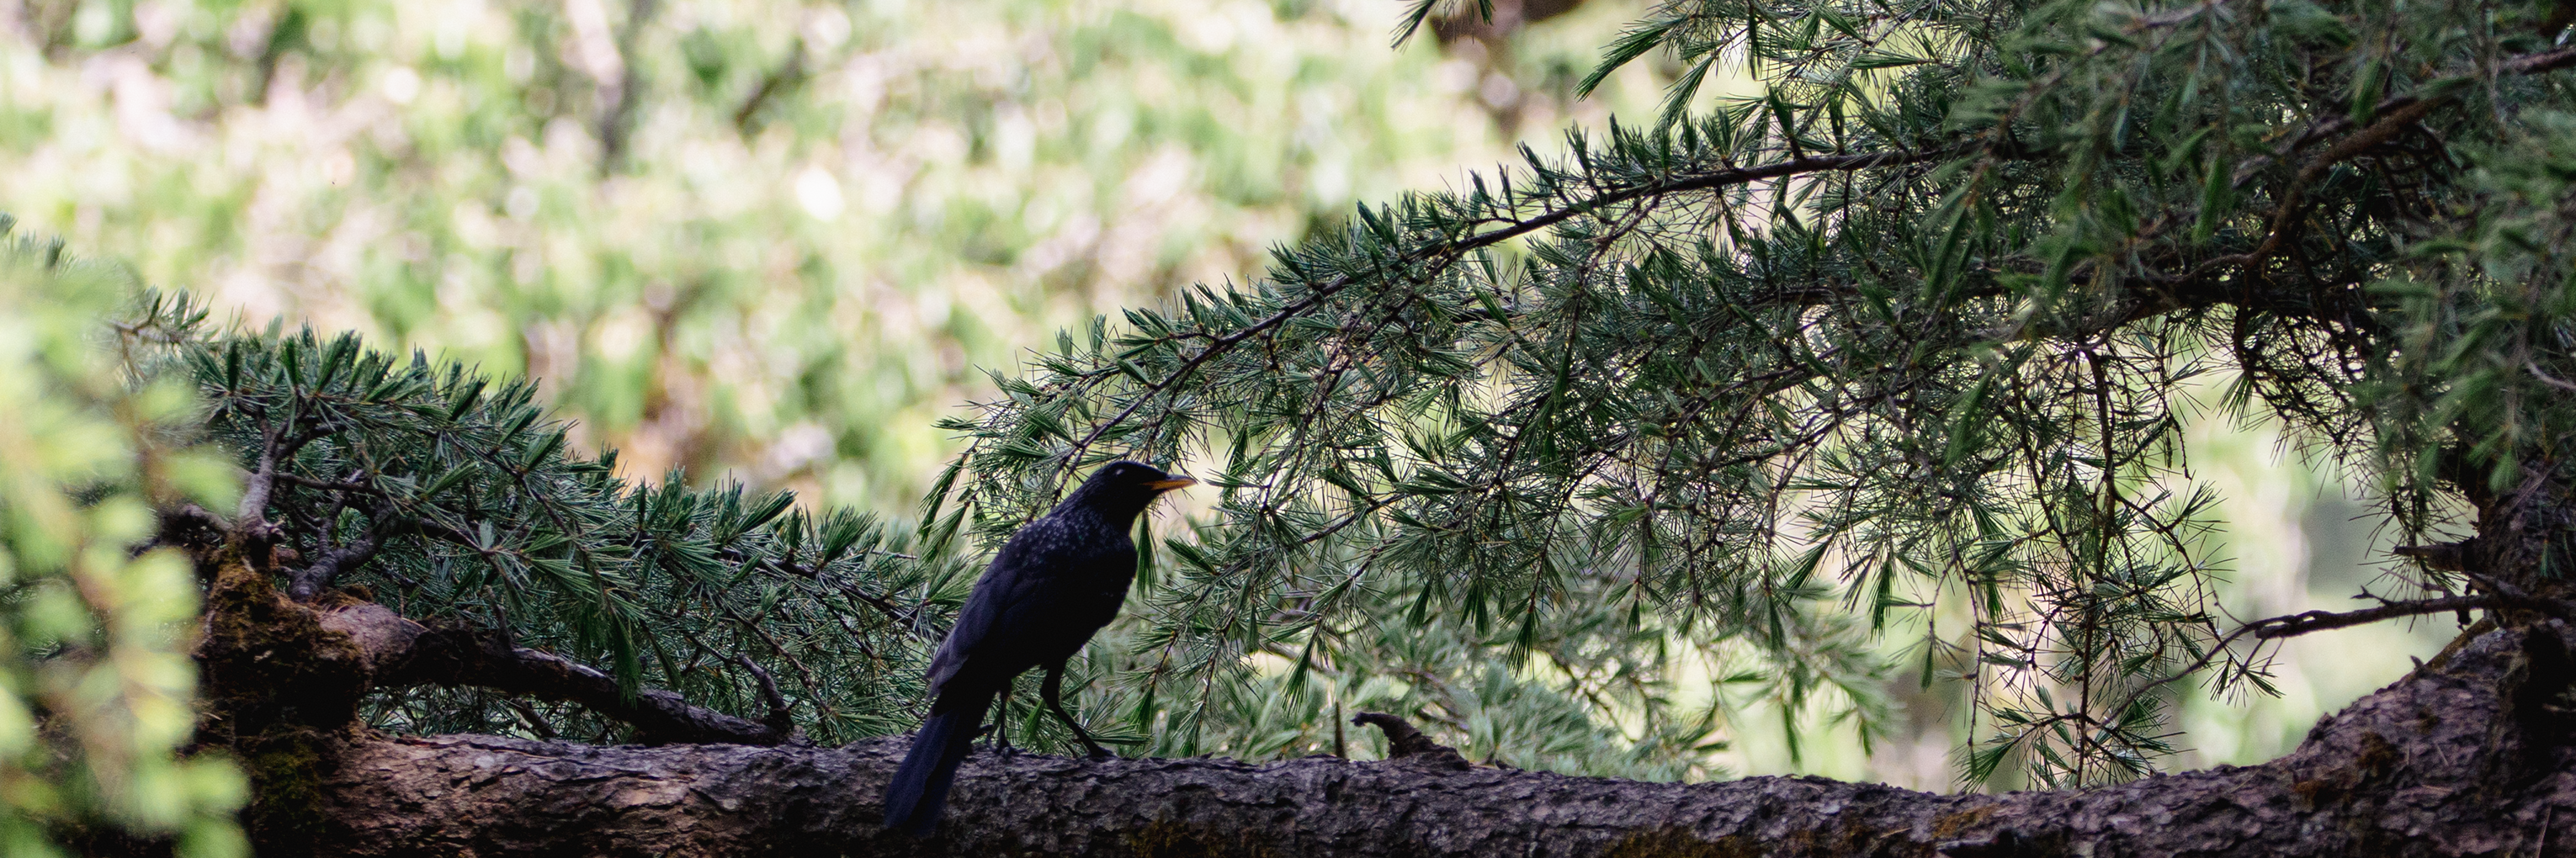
(1026, 574)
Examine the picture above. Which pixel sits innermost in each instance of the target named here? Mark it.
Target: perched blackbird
(1056, 582)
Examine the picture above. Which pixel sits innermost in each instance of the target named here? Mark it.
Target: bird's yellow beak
(1178, 481)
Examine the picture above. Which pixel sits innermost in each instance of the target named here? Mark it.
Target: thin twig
(252, 515)
(2293, 625)
(2546, 378)
(780, 718)
(312, 580)
(328, 485)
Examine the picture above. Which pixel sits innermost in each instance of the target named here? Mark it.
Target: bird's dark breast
(1065, 617)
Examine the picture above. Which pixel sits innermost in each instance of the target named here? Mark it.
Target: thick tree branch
(2453, 759)
(1402, 740)
(270, 660)
(404, 653)
(308, 583)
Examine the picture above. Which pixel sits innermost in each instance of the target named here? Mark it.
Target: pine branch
(460, 657)
(1443, 254)
(308, 583)
(2293, 625)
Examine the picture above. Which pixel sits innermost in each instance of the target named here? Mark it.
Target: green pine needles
(452, 499)
(1882, 371)
(1905, 336)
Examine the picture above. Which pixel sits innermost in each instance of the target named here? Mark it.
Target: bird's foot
(1099, 753)
(1000, 744)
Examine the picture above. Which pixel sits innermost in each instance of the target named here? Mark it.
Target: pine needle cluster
(1881, 370)
(1905, 340)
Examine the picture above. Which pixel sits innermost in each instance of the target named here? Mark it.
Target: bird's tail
(920, 788)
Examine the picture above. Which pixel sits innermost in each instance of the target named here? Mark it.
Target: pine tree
(1752, 385)
(1916, 324)
(451, 499)
(1763, 381)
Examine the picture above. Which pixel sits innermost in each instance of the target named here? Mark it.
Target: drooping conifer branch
(500, 568)
(1917, 321)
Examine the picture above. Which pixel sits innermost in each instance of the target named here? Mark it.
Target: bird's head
(1121, 489)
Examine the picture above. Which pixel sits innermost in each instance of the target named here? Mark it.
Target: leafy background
(96, 686)
(776, 242)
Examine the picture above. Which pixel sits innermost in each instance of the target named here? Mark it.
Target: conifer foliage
(1772, 382)
(451, 498)
(1909, 326)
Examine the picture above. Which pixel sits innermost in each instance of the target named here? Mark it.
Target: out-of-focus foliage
(775, 238)
(95, 679)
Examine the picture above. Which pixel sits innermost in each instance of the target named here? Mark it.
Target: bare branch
(2294, 625)
(310, 581)
(780, 717)
(383, 520)
(251, 516)
(2444, 556)
(406, 653)
(1402, 740)
(329, 485)
(2546, 378)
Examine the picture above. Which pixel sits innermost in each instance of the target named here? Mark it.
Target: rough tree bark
(2469, 754)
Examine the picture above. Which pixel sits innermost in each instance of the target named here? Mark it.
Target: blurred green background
(774, 241)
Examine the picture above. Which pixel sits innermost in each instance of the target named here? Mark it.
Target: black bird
(1055, 583)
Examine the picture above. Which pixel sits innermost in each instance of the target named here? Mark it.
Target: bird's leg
(1002, 724)
(1052, 691)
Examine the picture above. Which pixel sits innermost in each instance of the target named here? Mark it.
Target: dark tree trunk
(2468, 755)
